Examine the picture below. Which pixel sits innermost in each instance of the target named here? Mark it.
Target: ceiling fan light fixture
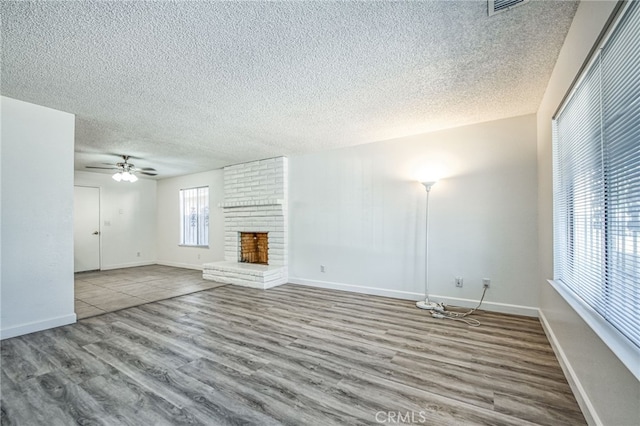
(125, 176)
(126, 171)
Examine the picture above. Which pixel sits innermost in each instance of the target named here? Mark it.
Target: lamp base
(430, 306)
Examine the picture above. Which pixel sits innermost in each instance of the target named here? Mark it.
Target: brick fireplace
(255, 205)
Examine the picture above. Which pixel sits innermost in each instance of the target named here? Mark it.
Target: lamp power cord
(441, 312)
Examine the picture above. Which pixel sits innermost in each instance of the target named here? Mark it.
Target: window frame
(181, 242)
(624, 348)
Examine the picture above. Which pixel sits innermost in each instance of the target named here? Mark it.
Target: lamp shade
(429, 184)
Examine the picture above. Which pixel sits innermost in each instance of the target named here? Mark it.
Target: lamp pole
(426, 304)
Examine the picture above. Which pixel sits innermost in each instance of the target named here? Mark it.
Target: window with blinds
(194, 216)
(597, 186)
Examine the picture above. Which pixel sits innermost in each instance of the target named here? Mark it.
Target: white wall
(128, 218)
(360, 212)
(37, 211)
(606, 390)
(168, 229)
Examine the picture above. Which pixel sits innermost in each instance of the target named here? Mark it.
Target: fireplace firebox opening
(254, 247)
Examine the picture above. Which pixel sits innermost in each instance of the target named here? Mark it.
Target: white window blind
(597, 183)
(194, 216)
(579, 193)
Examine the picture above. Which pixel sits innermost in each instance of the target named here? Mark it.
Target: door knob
(96, 233)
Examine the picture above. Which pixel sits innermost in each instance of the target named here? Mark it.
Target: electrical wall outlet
(486, 282)
(322, 269)
(458, 281)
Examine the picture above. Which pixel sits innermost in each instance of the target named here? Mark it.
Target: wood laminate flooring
(98, 292)
(290, 355)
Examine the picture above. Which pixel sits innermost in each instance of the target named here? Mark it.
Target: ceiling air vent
(497, 6)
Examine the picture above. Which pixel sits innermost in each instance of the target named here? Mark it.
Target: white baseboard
(396, 294)
(197, 267)
(126, 265)
(182, 265)
(588, 410)
(504, 308)
(32, 327)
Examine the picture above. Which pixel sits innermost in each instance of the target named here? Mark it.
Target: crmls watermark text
(401, 417)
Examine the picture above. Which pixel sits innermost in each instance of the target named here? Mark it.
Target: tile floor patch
(106, 291)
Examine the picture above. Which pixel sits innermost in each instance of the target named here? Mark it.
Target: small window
(194, 216)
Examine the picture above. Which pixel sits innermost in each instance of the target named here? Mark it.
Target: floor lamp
(426, 304)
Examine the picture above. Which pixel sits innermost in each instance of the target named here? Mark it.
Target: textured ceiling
(193, 86)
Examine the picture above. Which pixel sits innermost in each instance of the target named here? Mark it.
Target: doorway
(86, 228)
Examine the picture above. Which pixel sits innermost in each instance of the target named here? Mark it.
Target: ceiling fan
(126, 171)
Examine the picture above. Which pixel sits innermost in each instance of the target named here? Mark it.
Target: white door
(86, 229)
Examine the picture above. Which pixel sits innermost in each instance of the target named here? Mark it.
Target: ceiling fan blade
(122, 156)
(125, 166)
